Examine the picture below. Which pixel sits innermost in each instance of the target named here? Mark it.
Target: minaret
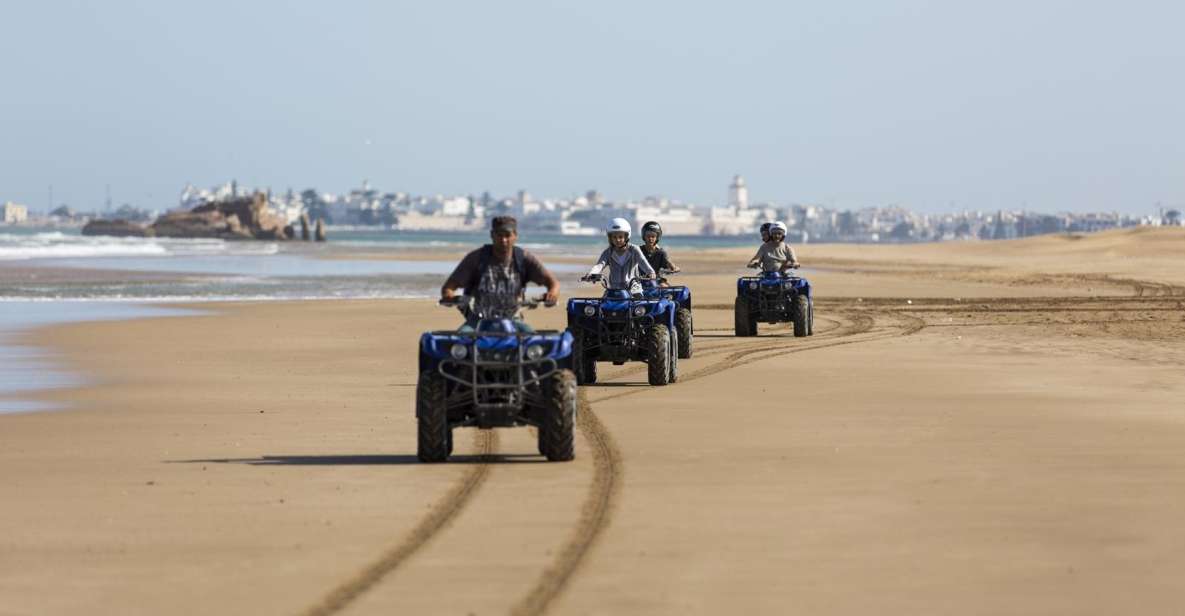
(738, 193)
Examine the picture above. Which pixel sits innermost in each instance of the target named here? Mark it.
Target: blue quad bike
(773, 297)
(657, 289)
(618, 327)
(496, 376)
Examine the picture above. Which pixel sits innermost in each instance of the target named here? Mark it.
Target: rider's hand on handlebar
(549, 299)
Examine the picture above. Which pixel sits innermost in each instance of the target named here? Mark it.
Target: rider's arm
(540, 275)
(600, 264)
(757, 257)
(643, 262)
(463, 272)
(667, 265)
(793, 257)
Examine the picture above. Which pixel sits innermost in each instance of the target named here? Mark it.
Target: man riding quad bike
(776, 296)
(495, 375)
(495, 370)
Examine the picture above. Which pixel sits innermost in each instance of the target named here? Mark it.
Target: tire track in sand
(608, 466)
(442, 513)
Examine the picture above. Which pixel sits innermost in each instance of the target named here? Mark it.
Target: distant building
(14, 213)
(738, 193)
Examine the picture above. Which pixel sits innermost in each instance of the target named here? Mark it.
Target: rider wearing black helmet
(765, 231)
(651, 234)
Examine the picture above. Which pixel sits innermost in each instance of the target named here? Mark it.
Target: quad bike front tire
(810, 322)
(658, 343)
(557, 424)
(434, 439)
(583, 365)
(685, 334)
(743, 319)
(801, 314)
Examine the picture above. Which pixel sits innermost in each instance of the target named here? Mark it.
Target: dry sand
(975, 428)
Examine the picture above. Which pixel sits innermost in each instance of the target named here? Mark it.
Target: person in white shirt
(624, 261)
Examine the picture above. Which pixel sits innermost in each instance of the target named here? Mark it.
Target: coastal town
(371, 207)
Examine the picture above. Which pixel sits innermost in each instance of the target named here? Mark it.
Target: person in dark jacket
(657, 256)
(496, 276)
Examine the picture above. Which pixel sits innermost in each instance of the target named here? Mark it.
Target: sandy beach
(975, 428)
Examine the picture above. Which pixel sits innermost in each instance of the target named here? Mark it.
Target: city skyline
(931, 106)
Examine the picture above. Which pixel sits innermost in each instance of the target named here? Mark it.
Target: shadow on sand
(617, 384)
(369, 460)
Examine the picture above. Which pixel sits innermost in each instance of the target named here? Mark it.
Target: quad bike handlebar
(465, 301)
(601, 278)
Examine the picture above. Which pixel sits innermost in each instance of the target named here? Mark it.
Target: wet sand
(974, 428)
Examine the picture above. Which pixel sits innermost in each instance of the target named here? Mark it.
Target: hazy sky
(935, 105)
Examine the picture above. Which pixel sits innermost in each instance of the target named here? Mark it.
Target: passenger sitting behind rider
(775, 255)
(656, 256)
(496, 275)
(624, 260)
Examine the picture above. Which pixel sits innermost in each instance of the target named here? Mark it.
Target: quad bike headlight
(753, 285)
(458, 351)
(535, 351)
(589, 311)
(639, 310)
(787, 285)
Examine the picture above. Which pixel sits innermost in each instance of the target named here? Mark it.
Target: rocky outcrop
(241, 218)
(117, 228)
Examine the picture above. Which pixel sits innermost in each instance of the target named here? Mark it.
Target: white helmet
(778, 226)
(618, 225)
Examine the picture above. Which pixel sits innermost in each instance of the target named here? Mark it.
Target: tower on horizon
(738, 193)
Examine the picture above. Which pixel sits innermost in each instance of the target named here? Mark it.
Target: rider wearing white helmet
(624, 260)
(775, 255)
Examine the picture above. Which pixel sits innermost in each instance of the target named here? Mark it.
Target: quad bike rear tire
(743, 319)
(658, 343)
(433, 435)
(557, 423)
(674, 373)
(685, 333)
(810, 322)
(801, 314)
(583, 365)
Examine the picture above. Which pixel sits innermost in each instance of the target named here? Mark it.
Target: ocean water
(162, 269)
(25, 369)
(50, 276)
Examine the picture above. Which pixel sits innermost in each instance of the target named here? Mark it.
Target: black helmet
(652, 226)
(765, 229)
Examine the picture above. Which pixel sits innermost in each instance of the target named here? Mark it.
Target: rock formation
(234, 219)
(117, 228)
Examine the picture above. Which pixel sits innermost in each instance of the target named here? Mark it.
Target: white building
(738, 193)
(675, 220)
(14, 213)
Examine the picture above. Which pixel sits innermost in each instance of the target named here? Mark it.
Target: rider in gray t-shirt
(775, 255)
